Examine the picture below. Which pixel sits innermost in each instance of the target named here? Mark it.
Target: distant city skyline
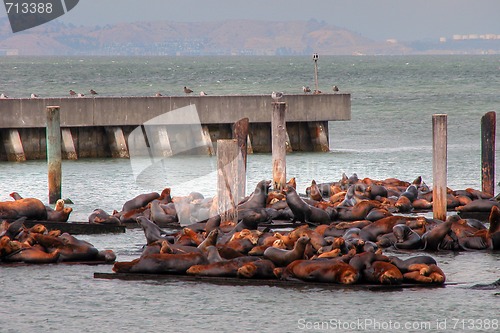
(379, 20)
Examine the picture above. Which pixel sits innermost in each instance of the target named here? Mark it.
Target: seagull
(34, 96)
(317, 92)
(335, 88)
(3, 96)
(93, 92)
(80, 95)
(158, 94)
(187, 90)
(276, 96)
(72, 92)
(306, 89)
(202, 93)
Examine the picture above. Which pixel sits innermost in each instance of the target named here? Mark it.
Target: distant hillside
(175, 38)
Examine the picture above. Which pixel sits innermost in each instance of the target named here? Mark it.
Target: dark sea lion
(322, 270)
(259, 269)
(377, 214)
(403, 265)
(403, 204)
(213, 254)
(281, 257)
(480, 205)
(358, 211)
(76, 249)
(210, 240)
(165, 263)
(257, 199)
(362, 261)
(382, 226)
(33, 255)
(131, 215)
(139, 201)
(406, 238)
(487, 286)
(250, 219)
(227, 268)
(31, 208)
(375, 191)
(101, 216)
(14, 228)
(152, 231)
(60, 213)
(469, 243)
(304, 212)
(433, 238)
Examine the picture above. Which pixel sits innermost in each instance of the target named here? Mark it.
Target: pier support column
(14, 146)
(249, 145)
(159, 141)
(68, 146)
(207, 140)
(240, 134)
(439, 165)
(319, 135)
(288, 144)
(278, 145)
(54, 155)
(117, 142)
(229, 162)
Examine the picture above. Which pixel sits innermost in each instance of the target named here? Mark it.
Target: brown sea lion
(161, 263)
(406, 238)
(257, 199)
(60, 213)
(383, 272)
(227, 268)
(259, 269)
(322, 270)
(433, 238)
(282, 257)
(33, 255)
(403, 265)
(304, 212)
(101, 216)
(423, 273)
(159, 216)
(139, 201)
(31, 208)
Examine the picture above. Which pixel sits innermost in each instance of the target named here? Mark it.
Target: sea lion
(281, 257)
(257, 199)
(382, 226)
(479, 205)
(210, 240)
(433, 238)
(33, 255)
(406, 238)
(161, 263)
(101, 216)
(423, 273)
(322, 270)
(259, 269)
(403, 265)
(383, 272)
(152, 231)
(304, 212)
(31, 208)
(14, 228)
(60, 213)
(227, 268)
(159, 216)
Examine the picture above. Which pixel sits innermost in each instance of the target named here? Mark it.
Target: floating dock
(99, 127)
(79, 228)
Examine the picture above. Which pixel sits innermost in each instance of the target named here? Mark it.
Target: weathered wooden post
(439, 165)
(240, 133)
(278, 137)
(54, 152)
(488, 132)
(228, 168)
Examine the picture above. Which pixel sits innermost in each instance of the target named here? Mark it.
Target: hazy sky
(376, 19)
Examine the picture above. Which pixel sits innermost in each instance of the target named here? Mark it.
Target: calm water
(393, 99)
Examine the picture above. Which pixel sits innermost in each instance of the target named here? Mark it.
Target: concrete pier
(100, 126)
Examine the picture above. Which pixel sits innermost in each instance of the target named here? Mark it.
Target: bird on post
(34, 96)
(187, 91)
(3, 96)
(72, 92)
(93, 92)
(335, 88)
(158, 94)
(276, 96)
(306, 89)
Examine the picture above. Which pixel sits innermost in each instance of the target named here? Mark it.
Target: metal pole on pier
(439, 165)
(488, 132)
(278, 146)
(54, 152)
(315, 58)
(228, 169)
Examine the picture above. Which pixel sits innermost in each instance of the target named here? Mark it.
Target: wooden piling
(207, 140)
(488, 132)
(439, 165)
(240, 134)
(278, 146)
(54, 152)
(229, 162)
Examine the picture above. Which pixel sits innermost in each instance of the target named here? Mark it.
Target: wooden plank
(488, 132)
(278, 145)
(240, 133)
(439, 165)
(54, 155)
(228, 167)
(260, 282)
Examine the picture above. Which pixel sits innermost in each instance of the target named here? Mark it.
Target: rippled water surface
(393, 99)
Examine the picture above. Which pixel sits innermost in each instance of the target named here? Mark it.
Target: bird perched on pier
(306, 89)
(335, 88)
(3, 96)
(158, 94)
(72, 92)
(202, 93)
(276, 96)
(187, 91)
(80, 95)
(34, 96)
(93, 92)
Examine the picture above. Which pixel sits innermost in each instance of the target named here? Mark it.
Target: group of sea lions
(37, 245)
(323, 249)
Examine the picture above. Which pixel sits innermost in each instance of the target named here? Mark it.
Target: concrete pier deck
(100, 126)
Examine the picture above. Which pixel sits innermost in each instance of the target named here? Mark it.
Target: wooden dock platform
(79, 228)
